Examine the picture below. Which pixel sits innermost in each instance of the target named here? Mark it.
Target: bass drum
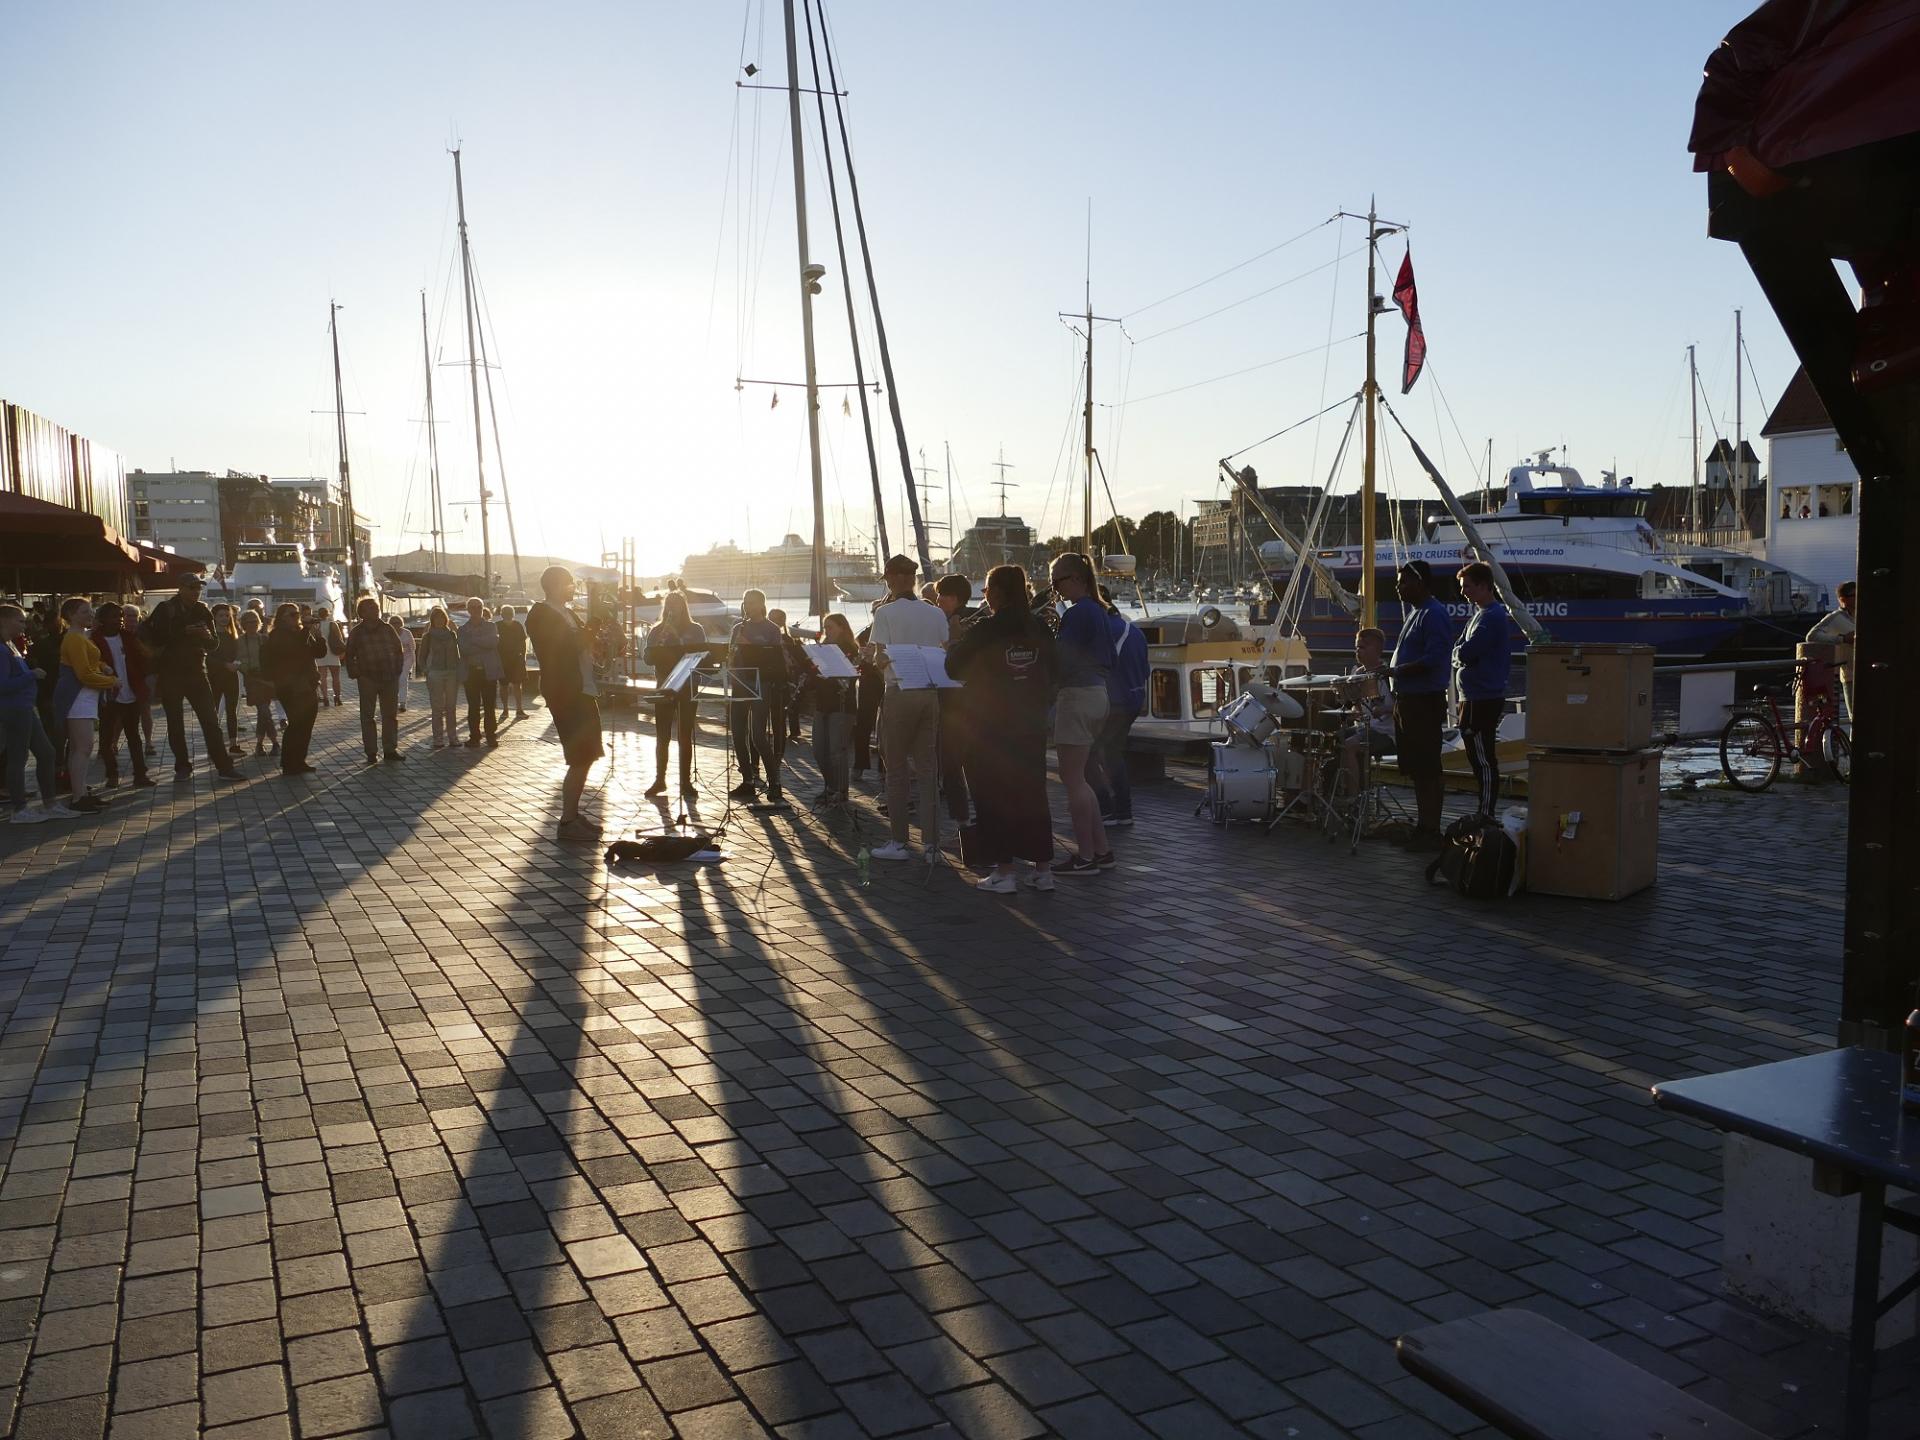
(1242, 783)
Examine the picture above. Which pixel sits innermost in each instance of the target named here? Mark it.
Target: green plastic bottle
(865, 861)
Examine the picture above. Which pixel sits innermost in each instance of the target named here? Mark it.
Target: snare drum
(1246, 717)
(1242, 786)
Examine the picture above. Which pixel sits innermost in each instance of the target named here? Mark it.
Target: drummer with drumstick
(1372, 696)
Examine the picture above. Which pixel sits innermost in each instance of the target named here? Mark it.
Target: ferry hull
(1676, 631)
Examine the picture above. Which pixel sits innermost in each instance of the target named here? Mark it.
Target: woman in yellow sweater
(84, 677)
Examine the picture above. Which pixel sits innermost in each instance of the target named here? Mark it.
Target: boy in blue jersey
(1482, 659)
(1422, 664)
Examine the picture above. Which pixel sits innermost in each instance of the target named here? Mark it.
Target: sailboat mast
(818, 596)
(346, 479)
(438, 517)
(1693, 478)
(500, 466)
(473, 381)
(1369, 580)
(1086, 527)
(1739, 479)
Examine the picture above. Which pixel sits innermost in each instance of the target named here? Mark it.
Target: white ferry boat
(1582, 558)
(281, 574)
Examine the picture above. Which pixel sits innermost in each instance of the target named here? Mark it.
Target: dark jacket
(138, 661)
(286, 663)
(513, 643)
(1008, 664)
(759, 645)
(559, 640)
(178, 648)
(668, 644)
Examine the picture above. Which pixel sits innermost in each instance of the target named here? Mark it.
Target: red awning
(162, 569)
(1800, 79)
(46, 547)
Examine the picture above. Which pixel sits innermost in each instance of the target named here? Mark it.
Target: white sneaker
(60, 810)
(892, 850)
(31, 815)
(1041, 880)
(997, 884)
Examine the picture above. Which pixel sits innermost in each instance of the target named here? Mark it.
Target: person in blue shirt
(1482, 660)
(1126, 698)
(1422, 664)
(1084, 656)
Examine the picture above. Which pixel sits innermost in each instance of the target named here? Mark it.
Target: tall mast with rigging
(1370, 396)
(437, 518)
(1739, 477)
(473, 380)
(819, 587)
(346, 478)
(1693, 478)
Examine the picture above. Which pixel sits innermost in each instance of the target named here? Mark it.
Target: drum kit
(1281, 738)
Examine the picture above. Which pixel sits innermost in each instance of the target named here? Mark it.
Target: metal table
(1841, 1108)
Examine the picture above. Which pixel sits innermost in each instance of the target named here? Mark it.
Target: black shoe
(394, 757)
(655, 790)
(492, 740)
(373, 759)
(1424, 842)
(229, 774)
(474, 744)
(1077, 866)
(145, 782)
(1106, 861)
(182, 773)
(87, 804)
(745, 790)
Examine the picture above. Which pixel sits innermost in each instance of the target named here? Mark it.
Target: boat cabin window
(1268, 673)
(1210, 686)
(267, 555)
(1163, 694)
(1554, 585)
(1631, 504)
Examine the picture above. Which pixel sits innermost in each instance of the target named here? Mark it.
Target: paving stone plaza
(356, 1105)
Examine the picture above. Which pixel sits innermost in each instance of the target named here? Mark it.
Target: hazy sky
(191, 182)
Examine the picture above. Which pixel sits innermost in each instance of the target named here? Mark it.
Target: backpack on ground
(1479, 859)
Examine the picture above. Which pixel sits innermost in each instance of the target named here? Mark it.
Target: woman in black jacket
(1006, 662)
(286, 663)
(676, 635)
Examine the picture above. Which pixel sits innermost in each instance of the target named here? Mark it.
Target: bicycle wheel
(1837, 750)
(1750, 752)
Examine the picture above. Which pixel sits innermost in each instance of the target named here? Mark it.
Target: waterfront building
(1813, 491)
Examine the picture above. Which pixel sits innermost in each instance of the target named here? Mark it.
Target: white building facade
(179, 510)
(1813, 491)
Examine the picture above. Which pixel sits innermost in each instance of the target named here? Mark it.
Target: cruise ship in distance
(782, 572)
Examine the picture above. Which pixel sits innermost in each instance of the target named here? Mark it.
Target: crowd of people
(77, 682)
(969, 756)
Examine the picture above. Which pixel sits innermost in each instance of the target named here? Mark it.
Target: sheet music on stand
(682, 673)
(920, 667)
(832, 662)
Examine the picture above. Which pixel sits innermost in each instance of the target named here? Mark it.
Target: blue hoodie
(1127, 680)
(1422, 660)
(17, 685)
(1483, 655)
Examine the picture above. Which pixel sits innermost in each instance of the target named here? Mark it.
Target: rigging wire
(1248, 299)
(1235, 454)
(1248, 370)
(1221, 275)
(1326, 363)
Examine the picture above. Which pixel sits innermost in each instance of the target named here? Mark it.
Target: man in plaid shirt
(373, 659)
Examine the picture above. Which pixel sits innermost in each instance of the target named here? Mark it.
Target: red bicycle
(1758, 738)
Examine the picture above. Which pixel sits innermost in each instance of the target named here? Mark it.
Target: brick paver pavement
(358, 1105)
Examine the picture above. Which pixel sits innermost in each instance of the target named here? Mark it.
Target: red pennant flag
(1408, 299)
